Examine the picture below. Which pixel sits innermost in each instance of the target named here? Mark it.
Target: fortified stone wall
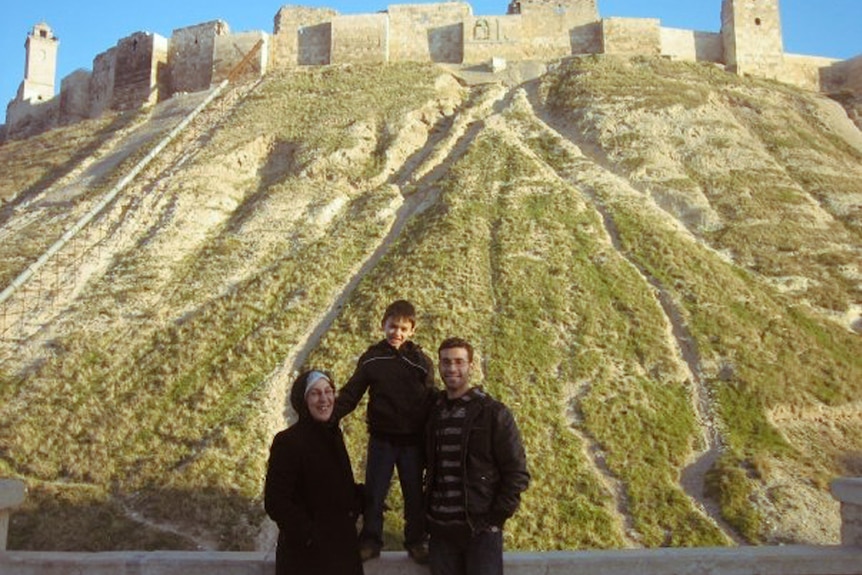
(556, 30)
(487, 37)
(145, 68)
(231, 50)
(631, 36)
(428, 32)
(691, 46)
(574, 12)
(360, 39)
(75, 97)
(843, 80)
(190, 58)
(141, 75)
(805, 71)
(27, 117)
(751, 33)
(102, 82)
(301, 36)
(844, 75)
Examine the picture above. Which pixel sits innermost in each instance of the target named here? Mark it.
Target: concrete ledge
(12, 493)
(848, 490)
(787, 560)
(134, 562)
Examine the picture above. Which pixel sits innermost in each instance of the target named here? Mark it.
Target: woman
(310, 491)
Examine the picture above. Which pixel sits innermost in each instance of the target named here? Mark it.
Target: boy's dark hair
(400, 309)
(453, 342)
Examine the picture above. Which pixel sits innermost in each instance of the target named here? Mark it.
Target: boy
(400, 380)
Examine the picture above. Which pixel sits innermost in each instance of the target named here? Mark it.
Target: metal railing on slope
(82, 222)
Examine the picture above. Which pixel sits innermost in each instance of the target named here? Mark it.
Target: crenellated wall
(145, 68)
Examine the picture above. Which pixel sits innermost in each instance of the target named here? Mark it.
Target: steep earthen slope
(659, 264)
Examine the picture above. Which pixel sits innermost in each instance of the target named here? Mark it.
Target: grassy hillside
(659, 264)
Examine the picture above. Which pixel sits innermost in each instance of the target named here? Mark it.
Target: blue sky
(87, 27)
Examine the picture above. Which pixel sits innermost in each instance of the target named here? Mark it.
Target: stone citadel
(145, 68)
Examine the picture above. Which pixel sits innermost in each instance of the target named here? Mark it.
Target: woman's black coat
(312, 496)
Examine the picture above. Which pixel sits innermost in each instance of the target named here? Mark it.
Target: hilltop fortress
(146, 68)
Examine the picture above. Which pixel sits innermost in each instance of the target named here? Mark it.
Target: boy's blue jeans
(479, 554)
(383, 458)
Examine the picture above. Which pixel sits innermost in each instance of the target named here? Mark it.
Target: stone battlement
(146, 68)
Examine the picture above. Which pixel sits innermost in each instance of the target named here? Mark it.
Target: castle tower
(40, 66)
(751, 33)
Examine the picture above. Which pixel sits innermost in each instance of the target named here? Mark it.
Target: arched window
(481, 30)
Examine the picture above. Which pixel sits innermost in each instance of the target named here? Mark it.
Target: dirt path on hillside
(592, 450)
(425, 166)
(693, 477)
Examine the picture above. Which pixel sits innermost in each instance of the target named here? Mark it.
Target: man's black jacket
(493, 462)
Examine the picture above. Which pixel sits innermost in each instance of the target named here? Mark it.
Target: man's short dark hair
(400, 309)
(454, 342)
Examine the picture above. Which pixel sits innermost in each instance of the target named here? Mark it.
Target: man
(477, 470)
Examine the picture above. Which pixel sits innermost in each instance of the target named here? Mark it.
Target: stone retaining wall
(790, 560)
(845, 559)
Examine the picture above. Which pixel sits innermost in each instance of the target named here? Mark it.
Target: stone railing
(844, 559)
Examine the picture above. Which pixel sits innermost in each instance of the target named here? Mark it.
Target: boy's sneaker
(418, 552)
(368, 551)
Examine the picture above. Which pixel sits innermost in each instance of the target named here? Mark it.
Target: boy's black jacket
(400, 384)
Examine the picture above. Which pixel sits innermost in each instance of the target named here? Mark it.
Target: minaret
(751, 33)
(40, 66)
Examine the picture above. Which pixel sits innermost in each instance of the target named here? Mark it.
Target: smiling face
(397, 330)
(320, 399)
(455, 367)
